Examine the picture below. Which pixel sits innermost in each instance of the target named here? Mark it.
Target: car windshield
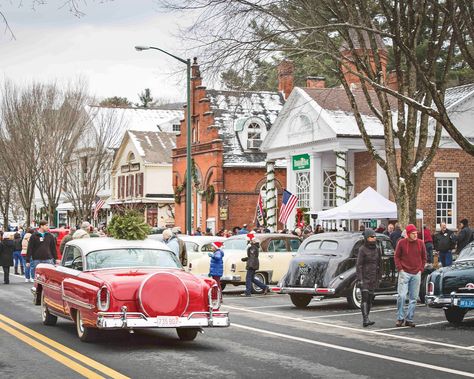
(131, 257)
(236, 244)
(467, 252)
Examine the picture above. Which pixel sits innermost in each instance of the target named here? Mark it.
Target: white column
(341, 173)
(290, 186)
(271, 197)
(316, 180)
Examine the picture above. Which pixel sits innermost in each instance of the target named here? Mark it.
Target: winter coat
(217, 263)
(6, 253)
(463, 238)
(443, 241)
(24, 243)
(368, 266)
(395, 236)
(173, 244)
(17, 244)
(252, 257)
(41, 247)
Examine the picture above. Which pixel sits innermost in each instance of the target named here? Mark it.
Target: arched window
(329, 189)
(302, 188)
(130, 157)
(254, 135)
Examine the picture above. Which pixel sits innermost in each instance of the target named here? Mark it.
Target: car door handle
(270, 255)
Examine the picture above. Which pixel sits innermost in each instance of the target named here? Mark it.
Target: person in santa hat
(217, 265)
(252, 265)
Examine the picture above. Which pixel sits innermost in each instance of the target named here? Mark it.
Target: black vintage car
(452, 288)
(325, 267)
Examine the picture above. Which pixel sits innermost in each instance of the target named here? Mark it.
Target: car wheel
(85, 333)
(259, 276)
(46, 317)
(187, 334)
(299, 300)
(454, 315)
(355, 296)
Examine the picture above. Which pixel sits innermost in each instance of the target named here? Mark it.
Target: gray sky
(52, 44)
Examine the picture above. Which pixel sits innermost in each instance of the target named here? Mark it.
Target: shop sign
(300, 162)
(223, 213)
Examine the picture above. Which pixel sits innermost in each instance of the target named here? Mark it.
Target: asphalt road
(268, 338)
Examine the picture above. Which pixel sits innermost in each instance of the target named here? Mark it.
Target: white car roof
(103, 243)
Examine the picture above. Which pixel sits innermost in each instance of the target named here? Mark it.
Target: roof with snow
(230, 108)
(153, 147)
(455, 94)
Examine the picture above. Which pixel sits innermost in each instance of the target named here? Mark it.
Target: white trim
(446, 174)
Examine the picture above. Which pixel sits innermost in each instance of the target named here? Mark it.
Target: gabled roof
(230, 106)
(456, 94)
(153, 147)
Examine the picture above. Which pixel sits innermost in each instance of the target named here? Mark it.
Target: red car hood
(124, 284)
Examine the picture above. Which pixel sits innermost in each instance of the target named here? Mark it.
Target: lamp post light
(187, 62)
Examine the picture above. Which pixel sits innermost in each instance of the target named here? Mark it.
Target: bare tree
(6, 185)
(88, 169)
(421, 44)
(63, 120)
(19, 145)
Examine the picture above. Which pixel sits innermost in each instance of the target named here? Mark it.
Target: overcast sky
(53, 44)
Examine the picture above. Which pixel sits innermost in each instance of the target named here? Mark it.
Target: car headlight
(103, 299)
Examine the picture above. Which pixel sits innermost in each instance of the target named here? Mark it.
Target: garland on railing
(178, 191)
(210, 194)
(271, 200)
(340, 156)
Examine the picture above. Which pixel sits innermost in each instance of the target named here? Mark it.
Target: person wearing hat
(244, 229)
(369, 260)
(252, 265)
(410, 260)
(217, 264)
(464, 236)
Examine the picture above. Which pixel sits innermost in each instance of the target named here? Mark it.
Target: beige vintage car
(276, 251)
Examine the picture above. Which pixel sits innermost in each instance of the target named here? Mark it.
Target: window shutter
(132, 188)
(141, 184)
(123, 187)
(137, 188)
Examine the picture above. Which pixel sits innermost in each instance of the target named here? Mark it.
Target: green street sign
(373, 223)
(300, 162)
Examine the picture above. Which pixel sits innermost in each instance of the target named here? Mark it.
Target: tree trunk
(402, 201)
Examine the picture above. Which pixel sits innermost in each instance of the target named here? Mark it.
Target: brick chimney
(196, 73)
(286, 70)
(316, 82)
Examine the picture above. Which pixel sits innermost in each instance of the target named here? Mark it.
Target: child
(217, 265)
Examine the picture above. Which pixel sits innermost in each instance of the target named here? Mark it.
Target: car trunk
(307, 271)
(457, 276)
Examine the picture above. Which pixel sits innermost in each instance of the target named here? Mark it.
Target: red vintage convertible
(103, 283)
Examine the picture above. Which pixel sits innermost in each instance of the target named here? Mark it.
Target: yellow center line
(50, 352)
(64, 349)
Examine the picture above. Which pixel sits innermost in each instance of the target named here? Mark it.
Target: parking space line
(359, 330)
(360, 352)
(355, 312)
(422, 325)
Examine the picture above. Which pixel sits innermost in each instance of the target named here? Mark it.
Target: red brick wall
(365, 172)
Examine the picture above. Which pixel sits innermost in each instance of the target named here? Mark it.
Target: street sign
(223, 213)
(373, 223)
(300, 162)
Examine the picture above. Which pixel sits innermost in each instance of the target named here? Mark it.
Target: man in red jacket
(410, 259)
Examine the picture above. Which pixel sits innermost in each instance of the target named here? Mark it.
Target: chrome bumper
(231, 278)
(308, 291)
(136, 320)
(441, 302)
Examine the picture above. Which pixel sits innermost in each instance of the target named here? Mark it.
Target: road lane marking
(84, 371)
(353, 313)
(360, 352)
(421, 325)
(326, 324)
(64, 349)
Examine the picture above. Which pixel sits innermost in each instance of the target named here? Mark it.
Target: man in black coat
(368, 273)
(443, 244)
(6, 257)
(252, 265)
(464, 235)
(41, 248)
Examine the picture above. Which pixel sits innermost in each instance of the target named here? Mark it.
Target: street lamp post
(187, 62)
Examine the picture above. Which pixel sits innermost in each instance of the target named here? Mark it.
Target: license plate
(466, 303)
(167, 321)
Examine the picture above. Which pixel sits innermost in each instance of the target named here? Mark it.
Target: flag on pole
(288, 203)
(99, 203)
(259, 211)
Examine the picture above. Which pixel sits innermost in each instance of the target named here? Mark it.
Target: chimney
(286, 70)
(392, 80)
(316, 82)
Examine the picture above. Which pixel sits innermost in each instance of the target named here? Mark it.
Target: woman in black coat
(6, 257)
(368, 273)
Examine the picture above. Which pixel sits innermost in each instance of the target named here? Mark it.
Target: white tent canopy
(369, 204)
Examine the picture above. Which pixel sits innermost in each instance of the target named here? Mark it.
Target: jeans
(407, 284)
(249, 279)
(35, 263)
(446, 258)
(27, 272)
(17, 258)
(429, 252)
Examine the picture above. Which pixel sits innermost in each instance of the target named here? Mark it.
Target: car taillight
(430, 288)
(214, 296)
(103, 299)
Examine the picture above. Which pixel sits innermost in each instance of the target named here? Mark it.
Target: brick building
(328, 163)
(229, 168)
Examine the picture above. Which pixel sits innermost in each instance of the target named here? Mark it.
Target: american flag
(287, 205)
(259, 211)
(99, 203)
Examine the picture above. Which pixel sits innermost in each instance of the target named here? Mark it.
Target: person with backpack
(17, 258)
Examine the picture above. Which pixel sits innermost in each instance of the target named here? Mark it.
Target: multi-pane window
(302, 189)
(446, 201)
(329, 189)
(254, 136)
(176, 128)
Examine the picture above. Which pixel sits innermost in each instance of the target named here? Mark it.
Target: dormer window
(254, 135)
(130, 157)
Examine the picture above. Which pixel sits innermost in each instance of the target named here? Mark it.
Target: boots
(16, 270)
(365, 308)
(22, 270)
